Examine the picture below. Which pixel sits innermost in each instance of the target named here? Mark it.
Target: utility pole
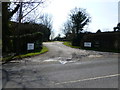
(20, 12)
(18, 32)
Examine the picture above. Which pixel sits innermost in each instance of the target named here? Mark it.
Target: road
(63, 67)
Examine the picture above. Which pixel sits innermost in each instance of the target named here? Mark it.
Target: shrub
(19, 43)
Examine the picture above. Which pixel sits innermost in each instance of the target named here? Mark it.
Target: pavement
(63, 67)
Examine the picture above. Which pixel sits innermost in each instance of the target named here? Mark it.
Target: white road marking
(94, 78)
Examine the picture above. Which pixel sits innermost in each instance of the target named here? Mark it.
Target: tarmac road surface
(63, 67)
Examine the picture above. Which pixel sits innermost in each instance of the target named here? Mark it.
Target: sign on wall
(87, 44)
(30, 46)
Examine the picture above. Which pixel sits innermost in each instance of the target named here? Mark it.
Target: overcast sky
(104, 13)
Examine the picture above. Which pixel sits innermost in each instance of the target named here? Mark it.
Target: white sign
(30, 46)
(87, 44)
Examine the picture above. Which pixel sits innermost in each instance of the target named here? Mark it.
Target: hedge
(19, 42)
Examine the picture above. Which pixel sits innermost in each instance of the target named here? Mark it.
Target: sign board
(30, 46)
(87, 44)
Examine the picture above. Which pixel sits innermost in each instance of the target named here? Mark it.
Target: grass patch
(44, 49)
(94, 49)
(6, 58)
(70, 45)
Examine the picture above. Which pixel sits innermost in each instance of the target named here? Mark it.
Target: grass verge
(70, 45)
(44, 50)
(94, 49)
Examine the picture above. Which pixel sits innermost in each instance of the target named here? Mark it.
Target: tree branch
(32, 9)
(14, 11)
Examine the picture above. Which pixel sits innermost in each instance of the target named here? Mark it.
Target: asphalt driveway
(63, 67)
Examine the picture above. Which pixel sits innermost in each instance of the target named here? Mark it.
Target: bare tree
(67, 27)
(26, 8)
(46, 20)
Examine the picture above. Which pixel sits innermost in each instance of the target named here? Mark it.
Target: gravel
(58, 51)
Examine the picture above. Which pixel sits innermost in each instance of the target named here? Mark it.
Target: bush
(77, 40)
(19, 43)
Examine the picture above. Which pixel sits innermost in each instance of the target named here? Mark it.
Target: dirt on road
(33, 72)
(58, 51)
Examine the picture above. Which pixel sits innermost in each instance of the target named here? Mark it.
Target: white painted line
(94, 78)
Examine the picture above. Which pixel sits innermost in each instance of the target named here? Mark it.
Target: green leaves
(79, 19)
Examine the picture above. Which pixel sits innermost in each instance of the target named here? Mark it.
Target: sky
(104, 13)
(119, 11)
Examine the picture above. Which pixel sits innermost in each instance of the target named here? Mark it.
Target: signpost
(30, 46)
(87, 44)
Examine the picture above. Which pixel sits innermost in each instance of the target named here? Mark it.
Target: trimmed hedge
(76, 40)
(19, 43)
(103, 40)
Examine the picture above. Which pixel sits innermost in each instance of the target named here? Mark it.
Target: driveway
(63, 67)
(58, 51)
